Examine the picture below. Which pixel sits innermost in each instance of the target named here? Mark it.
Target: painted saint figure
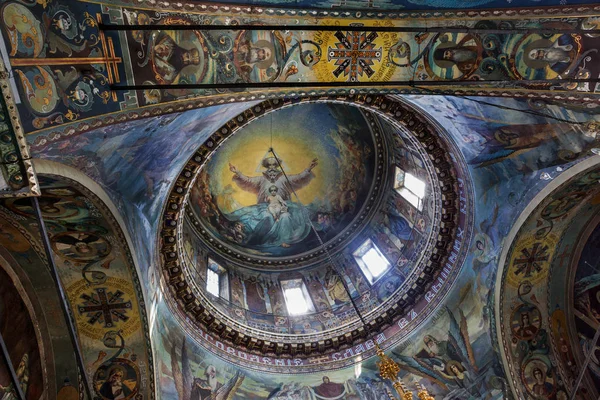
(255, 295)
(525, 329)
(273, 176)
(277, 205)
(541, 387)
(329, 390)
(558, 52)
(169, 58)
(204, 388)
(114, 388)
(275, 221)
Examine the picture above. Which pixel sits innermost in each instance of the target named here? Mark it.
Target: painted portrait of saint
(176, 57)
(526, 322)
(552, 55)
(117, 380)
(454, 56)
(258, 56)
(270, 190)
(538, 379)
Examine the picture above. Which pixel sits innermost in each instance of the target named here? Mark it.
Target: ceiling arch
(98, 273)
(531, 296)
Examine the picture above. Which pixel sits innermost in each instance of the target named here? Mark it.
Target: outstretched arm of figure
(251, 184)
(302, 179)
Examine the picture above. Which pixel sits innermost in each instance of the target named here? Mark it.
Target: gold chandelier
(389, 369)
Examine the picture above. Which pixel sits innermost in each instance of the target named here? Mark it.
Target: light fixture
(388, 368)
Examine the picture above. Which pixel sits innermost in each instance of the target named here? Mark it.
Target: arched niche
(98, 272)
(536, 335)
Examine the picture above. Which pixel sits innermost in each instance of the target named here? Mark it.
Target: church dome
(294, 213)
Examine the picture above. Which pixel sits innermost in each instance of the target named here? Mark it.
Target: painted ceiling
(45, 40)
(500, 173)
(146, 189)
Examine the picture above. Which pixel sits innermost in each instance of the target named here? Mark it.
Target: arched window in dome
(217, 282)
(410, 187)
(296, 296)
(371, 261)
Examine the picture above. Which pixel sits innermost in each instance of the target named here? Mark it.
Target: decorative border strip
(17, 160)
(216, 8)
(50, 135)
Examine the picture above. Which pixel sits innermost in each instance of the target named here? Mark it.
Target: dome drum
(205, 196)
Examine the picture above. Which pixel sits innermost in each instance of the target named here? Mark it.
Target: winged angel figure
(448, 363)
(205, 388)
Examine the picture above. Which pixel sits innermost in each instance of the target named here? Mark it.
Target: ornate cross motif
(530, 262)
(354, 54)
(105, 307)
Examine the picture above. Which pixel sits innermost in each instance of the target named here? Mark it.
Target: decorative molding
(15, 159)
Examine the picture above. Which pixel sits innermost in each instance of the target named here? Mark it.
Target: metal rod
(330, 28)
(585, 364)
(63, 297)
(13, 375)
(331, 261)
(294, 85)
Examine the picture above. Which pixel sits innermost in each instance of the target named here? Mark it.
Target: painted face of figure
(431, 344)
(273, 190)
(459, 55)
(524, 320)
(551, 55)
(389, 286)
(479, 245)
(116, 378)
(538, 375)
(326, 379)
(454, 370)
(272, 167)
(162, 50)
(211, 371)
(82, 247)
(191, 57)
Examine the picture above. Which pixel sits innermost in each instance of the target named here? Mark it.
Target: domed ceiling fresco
(424, 337)
(282, 198)
(311, 166)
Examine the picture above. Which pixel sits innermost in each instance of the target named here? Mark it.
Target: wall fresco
(187, 368)
(100, 280)
(19, 335)
(512, 182)
(535, 331)
(587, 301)
(135, 162)
(64, 65)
